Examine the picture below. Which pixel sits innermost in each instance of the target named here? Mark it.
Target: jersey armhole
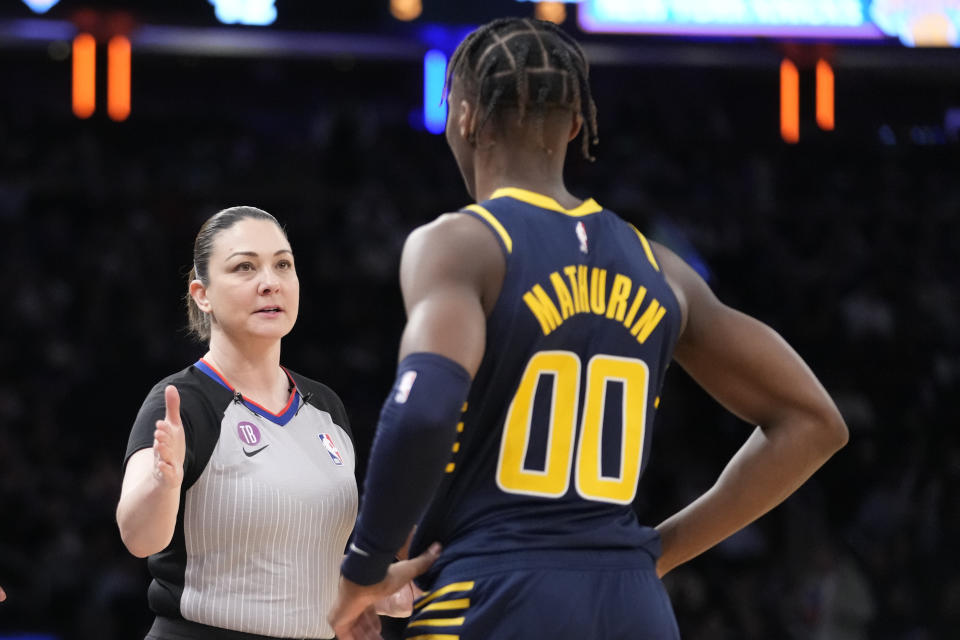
(490, 220)
(646, 247)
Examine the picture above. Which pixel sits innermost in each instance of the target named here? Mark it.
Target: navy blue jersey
(557, 427)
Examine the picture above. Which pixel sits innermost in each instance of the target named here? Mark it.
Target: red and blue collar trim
(281, 418)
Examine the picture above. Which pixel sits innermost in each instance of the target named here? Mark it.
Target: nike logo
(250, 454)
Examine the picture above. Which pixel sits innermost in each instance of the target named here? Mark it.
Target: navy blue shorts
(560, 595)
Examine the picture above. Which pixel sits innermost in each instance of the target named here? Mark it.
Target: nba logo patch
(331, 448)
(404, 387)
(582, 236)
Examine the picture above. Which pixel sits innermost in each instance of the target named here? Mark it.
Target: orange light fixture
(825, 96)
(555, 12)
(789, 102)
(118, 78)
(406, 10)
(84, 75)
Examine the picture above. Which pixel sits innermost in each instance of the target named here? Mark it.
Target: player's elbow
(829, 429)
(425, 417)
(424, 424)
(437, 419)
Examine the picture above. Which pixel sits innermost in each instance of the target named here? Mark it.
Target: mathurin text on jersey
(585, 291)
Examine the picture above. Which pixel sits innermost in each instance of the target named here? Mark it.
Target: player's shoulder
(457, 227)
(692, 291)
(671, 262)
(442, 245)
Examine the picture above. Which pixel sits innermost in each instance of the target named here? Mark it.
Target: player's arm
(450, 273)
(150, 495)
(443, 273)
(754, 373)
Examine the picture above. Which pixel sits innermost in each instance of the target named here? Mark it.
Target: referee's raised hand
(169, 446)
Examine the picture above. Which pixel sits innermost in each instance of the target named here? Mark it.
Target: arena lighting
(406, 10)
(915, 22)
(930, 23)
(555, 12)
(789, 102)
(825, 109)
(443, 37)
(118, 78)
(84, 75)
(248, 12)
(40, 6)
(434, 77)
(785, 18)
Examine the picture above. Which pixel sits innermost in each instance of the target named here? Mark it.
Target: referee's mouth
(271, 310)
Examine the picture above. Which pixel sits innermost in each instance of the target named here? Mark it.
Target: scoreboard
(912, 22)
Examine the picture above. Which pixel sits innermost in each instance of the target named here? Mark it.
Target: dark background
(846, 243)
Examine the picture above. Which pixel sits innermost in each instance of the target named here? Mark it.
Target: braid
(531, 65)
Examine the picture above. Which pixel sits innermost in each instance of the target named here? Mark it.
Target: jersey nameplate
(588, 293)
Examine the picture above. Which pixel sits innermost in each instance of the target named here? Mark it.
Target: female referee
(239, 485)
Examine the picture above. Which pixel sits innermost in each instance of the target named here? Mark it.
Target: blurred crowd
(847, 245)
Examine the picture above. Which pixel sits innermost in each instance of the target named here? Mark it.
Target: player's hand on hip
(398, 604)
(3, 594)
(365, 627)
(169, 445)
(353, 600)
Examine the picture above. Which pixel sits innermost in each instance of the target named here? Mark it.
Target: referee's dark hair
(198, 321)
(530, 65)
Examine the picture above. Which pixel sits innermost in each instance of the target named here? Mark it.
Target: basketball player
(239, 484)
(539, 330)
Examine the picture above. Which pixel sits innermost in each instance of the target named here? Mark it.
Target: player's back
(557, 426)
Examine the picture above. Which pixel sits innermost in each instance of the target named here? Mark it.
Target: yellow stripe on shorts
(450, 588)
(447, 605)
(438, 622)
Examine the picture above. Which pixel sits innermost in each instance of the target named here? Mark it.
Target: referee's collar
(281, 418)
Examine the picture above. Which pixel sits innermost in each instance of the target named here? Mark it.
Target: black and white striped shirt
(267, 505)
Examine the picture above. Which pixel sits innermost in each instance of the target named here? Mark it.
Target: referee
(239, 483)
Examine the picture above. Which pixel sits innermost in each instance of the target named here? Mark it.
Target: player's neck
(253, 370)
(532, 170)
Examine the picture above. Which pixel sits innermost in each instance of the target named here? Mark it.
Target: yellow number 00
(554, 480)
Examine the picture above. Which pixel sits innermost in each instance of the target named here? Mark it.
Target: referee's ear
(199, 294)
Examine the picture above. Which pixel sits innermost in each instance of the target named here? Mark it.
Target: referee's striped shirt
(267, 505)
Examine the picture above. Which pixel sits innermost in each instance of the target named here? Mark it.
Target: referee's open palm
(169, 446)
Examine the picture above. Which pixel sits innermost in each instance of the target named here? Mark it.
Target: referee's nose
(269, 282)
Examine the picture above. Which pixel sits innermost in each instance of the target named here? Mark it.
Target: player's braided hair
(527, 64)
